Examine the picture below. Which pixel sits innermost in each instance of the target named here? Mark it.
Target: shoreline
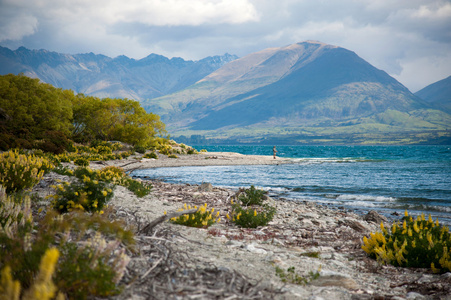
(200, 159)
(298, 229)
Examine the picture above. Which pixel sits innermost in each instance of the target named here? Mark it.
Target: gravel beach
(228, 262)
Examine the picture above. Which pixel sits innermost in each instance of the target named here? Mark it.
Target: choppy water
(384, 178)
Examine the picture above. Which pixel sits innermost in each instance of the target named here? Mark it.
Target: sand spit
(227, 262)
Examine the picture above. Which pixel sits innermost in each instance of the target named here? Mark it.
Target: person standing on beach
(274, 151)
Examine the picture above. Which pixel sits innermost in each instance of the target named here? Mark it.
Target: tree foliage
(114, 119)
(37, 115)
(30, 109)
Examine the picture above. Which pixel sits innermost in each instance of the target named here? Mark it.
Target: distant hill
(102, 76)
(305, 92)
(438, 94)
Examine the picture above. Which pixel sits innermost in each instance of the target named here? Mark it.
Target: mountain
(305, 92)
(102, 76)
(438, 94)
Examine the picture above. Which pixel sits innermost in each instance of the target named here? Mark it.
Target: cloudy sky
(409, 39)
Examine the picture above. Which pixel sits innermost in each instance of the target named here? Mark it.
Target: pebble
(253, 249)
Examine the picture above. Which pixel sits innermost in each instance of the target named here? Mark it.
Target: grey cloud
(399, 37)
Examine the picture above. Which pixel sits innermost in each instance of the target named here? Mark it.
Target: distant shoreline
(201, 159)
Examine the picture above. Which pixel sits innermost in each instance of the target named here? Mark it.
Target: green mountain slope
(306, 92)
(438, 94)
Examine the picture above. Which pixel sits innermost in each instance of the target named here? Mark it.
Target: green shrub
(140, 189)
(87, 195)
(151, 155)
(191, 151)
(173, 156)
(418, 243)
(251, 196)
(98, 278)
(96, 261)
(21, 171)
(165, 149)
(140, 149)
(81, 161)
(42, 287)
(64, 158)
(55, 142)
(201, 218)
(291, 276)
(63, 171)
(252, 217)
(249, 210)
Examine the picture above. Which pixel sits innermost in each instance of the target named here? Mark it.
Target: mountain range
(102, 76)
(308, 92)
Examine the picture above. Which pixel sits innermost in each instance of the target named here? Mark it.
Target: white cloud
(398, 37)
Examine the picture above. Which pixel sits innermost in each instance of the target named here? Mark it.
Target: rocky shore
(319, 247)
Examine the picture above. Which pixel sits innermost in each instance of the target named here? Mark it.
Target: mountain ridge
(300, 89)
(102, 76)
(438, 94)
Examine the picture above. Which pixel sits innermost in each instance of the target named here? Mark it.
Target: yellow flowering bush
(21, 171)
(86, 267)
(117, 176)
(42, 288)
(249, 209)
(251, 217)
(418, 243)
(86, 195)
(201, 218)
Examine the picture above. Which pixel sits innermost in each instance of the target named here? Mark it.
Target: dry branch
(148, 228)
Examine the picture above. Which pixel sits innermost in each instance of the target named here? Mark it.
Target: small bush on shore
(249, 209)
(42, 287)
(201, 218)
(251, 196)
(252, 217)
(291, 276)
(89, 264)
(140, 149)
(81, 161)
(21, 171)
(151, 155)
(418, 243)
(140, 189)
(87, 195)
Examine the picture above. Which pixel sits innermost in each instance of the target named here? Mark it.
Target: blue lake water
(387, 179)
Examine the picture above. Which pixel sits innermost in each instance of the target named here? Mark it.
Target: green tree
(115, 119)
(31, 109)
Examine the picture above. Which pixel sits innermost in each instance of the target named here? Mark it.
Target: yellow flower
(104, 193)
(406, 213)
(228, 217)
(255, 212)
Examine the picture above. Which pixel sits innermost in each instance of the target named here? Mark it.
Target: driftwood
(149, 227)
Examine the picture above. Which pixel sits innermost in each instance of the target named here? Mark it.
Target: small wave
(366, 198)
(322, 160)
